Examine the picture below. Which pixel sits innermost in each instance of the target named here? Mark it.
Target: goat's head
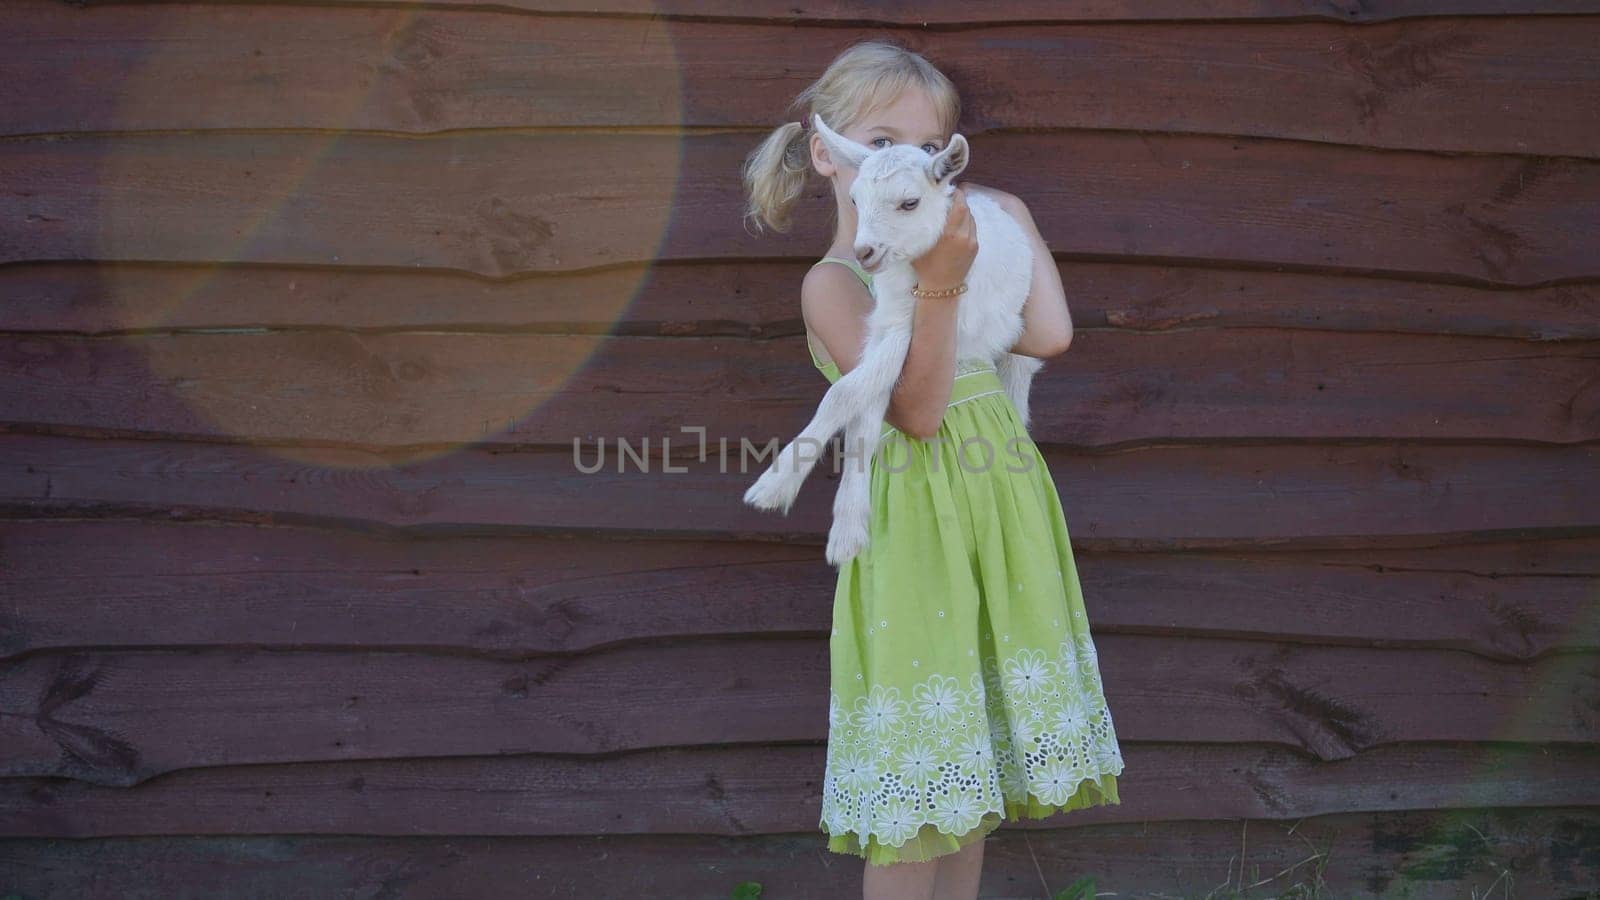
(902, 194)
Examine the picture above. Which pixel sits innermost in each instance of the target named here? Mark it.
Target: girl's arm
(928, 375)
(922, 392)
(835, 305)
(1046, 322)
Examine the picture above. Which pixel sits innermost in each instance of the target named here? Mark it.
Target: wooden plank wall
(306, 303)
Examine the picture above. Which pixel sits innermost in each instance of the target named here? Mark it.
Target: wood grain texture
(1426, 854)
(754, 298)
(947, 12)
(499, 203)
(1287, 495)
(151, 585)
(1423, 854)
(1118, 390)
(1524, 84)
(743, 791)
(121, 717)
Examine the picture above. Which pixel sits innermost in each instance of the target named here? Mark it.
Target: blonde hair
(863, 77)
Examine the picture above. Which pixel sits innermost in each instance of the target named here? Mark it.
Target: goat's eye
(909, 205)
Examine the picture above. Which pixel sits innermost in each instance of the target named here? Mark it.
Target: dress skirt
(964, 684)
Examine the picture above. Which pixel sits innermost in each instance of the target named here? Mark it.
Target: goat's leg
(1016, 371)
(780, 483)
(874, 376)
(852, 504)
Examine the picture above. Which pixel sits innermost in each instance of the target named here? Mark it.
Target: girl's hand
(946, 263)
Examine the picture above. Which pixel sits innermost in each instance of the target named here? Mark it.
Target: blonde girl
(964, 683)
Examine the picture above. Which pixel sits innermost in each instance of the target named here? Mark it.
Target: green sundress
(964, 685)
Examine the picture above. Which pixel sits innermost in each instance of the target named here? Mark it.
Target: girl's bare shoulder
(832, 287)
(834, 305)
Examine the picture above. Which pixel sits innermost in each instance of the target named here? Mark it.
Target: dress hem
(1093, 791)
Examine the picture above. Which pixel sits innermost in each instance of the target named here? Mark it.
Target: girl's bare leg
(959, 873)
(899, 881)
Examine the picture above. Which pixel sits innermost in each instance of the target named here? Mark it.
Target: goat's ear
(949, 162)
(841, 147)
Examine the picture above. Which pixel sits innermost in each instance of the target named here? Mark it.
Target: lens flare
(376, 258)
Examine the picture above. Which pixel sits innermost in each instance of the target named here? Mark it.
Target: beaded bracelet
(947, 292)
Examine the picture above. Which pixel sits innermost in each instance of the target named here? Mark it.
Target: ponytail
(775, 175)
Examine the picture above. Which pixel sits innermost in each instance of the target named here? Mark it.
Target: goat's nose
(864, 255)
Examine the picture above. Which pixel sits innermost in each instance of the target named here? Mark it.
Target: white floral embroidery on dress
(946, 756)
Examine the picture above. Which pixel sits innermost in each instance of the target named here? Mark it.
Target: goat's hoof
(845, 542)
(771, 491)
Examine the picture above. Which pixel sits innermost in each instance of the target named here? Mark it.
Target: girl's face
(910, 118)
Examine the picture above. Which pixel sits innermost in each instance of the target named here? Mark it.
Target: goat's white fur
(989, 317)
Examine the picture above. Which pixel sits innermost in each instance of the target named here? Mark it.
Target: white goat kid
(902, 197)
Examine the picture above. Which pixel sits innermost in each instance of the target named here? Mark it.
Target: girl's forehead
(909, 110)
(913, 127)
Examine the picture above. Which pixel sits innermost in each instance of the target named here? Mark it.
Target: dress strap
(854, 267)
(811, 350)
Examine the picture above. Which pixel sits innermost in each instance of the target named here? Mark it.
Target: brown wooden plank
(499, 203)
(946, 12)
(1512, 84)
(1442, 854)
(121, 717)
(1291, 496)
(742, 791)
(113, 583)
(754, 298)
(1119, 389)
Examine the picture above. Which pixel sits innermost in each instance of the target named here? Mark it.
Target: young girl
(965, 687)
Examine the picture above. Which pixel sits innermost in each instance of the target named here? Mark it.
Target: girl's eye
(930, 147)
